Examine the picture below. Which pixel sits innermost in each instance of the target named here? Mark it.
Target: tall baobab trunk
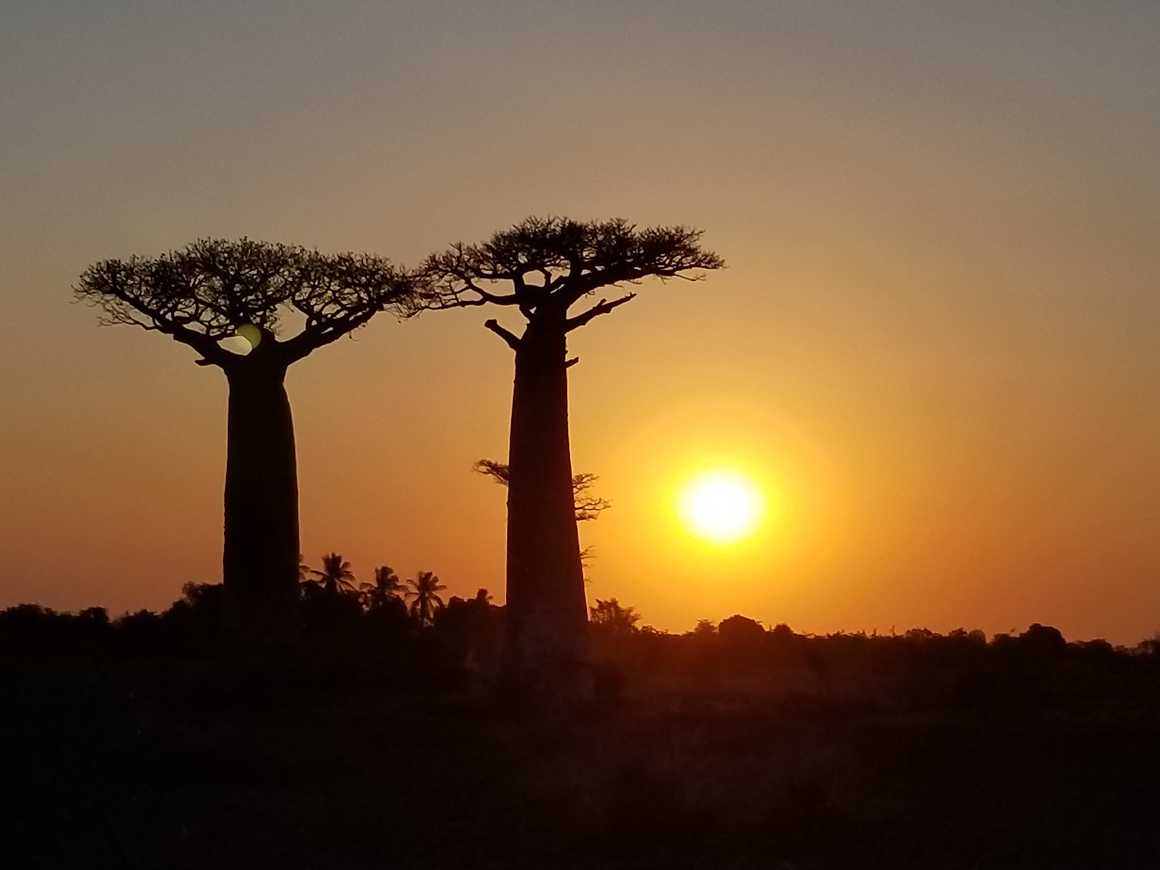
(546, 610)
(260, 561)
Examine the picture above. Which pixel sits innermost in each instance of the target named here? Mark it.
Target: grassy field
(150, 766)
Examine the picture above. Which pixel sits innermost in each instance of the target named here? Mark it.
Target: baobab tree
(588, 506)
(541, 268)
(215, 289)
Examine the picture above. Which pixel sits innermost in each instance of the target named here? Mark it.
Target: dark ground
(138, 766)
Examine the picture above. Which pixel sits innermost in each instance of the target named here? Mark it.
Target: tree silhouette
(541, 268)
(611, 615)
(704, 629)
(740, 630)
(424, 595)
(335, 577)
(588, 507)
(215, 289)
(386, 587)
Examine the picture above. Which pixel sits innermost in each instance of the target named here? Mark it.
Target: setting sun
(722, 506)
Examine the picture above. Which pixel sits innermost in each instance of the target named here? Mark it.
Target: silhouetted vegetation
(540, 268)
(367, 626)
(424, 597)
(148, 740)
(333, 580)
(610, 616)
(213, 290)
(588, 507)
(386, 723)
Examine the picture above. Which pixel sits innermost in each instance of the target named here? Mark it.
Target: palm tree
(425, 589)
(387, 587)
(335, 578)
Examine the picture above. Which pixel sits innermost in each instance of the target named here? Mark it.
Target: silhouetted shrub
(348, 638)
(1042, 639)
(740, 631)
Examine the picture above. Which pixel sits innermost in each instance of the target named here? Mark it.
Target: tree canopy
(554, 262)
(213, 289)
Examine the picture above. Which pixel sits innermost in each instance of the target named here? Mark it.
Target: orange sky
(937, 344)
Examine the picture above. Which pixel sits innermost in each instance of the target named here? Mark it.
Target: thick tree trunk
(260, 561)
(546, 610)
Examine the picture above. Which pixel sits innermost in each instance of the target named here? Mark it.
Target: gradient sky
(937, 344)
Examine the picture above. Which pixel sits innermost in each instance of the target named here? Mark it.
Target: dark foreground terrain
(178, 765)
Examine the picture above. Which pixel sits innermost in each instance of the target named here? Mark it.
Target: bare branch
(150, 296)
(589, 508)
(512, 340)
(320, 334)
(601, 307)
(497, 471)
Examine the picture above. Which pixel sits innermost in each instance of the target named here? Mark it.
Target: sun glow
(722, 506)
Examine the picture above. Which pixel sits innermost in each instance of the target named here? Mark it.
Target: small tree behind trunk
(541, 268)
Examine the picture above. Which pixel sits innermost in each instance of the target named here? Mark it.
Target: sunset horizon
(538, 433)
(651, 512)
(934, 341)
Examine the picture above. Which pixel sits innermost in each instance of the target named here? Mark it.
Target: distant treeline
(393, 634)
